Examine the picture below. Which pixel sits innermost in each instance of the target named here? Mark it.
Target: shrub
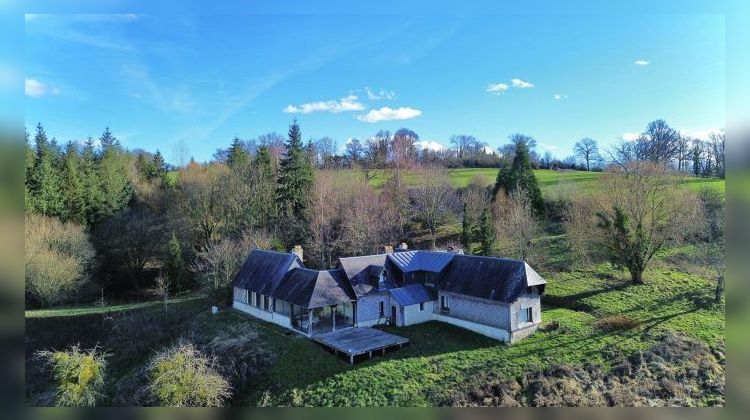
(79, 375)
(58, 258)
(616, 322)
(181, 376)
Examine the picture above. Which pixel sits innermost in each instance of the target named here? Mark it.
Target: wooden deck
(358, 341)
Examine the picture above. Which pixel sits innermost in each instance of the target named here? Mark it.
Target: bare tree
(587, 150)
(515, 224)
(161, 290)
(181, 152)
(323, 217)
(432, 200)
(718, 143)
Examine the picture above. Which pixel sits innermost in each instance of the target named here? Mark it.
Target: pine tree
(295, 182)
(92, 186)
(45, 179)
(113, 171)
(144, 166)
(175, 265)
(237, 158)
(160, 167)
(697, 159)
(487, 234)
(467, 226)
(520, 174)
(72, 186)
(264, 188)
(29, 170)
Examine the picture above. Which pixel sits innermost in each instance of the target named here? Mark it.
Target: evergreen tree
(73, 192)
(697, 159)
(264, 188)
(45, 185)
(144, 166)
(92, 185)
(160, 167)
(467, 226)
(487, 234)
(29, 170)
(295, 182)
(113, 172)
(520, 174)
(175, 265)
(237, 158)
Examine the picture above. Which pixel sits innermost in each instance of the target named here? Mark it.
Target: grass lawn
(91, 309)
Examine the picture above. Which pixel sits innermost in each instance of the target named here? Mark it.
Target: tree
(431, 201)
(175, 265)
(79, 375)
(73, 193)
(160, 168)
(402, 147)
(182, 376)
(161, 290)
(92, 184)
(697, 157)
(46, 185)
(707, 234)
(323, 217)
(295, 181)
(464, 144)
(659, 142)
(641, 211)
(515, 225)
(487, 234)
(587, 150)
(113, 172)
(718, 143)
(237, 158)
(467, 229)
(58, 258)
(520, 175)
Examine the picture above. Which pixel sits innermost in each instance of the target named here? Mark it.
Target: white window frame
(526, 315)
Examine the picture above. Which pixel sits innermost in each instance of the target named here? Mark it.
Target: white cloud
(497, 88)
(700, 134)
(631, 136)
(518, 83)
(382, 94)
(489, 150)
(347, 103)
(549, 147)
(429, 145)
(642, 62)
(388, 114)
(36, 89)
(559, 97)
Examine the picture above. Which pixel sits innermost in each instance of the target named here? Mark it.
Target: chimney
(403, 246)
(388, 249)
(297, 250)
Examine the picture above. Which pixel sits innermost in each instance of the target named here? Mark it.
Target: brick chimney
(297, 250)
(403, 246)
(388, 249)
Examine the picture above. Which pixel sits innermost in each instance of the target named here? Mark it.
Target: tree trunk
(719, 288)
(636, 276)
(432, 239)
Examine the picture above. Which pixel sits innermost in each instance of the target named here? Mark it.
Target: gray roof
(500, 279)
(363, 272)
(411, 294)
(314, 289)
(263, 270)
(433, 261)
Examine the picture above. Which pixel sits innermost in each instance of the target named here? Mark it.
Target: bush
(181, 376)
(616, 322)
(58, 259)
(79, 375)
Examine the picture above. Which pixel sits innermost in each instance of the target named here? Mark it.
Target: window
(525, 315)
(257, 299)
(421, 306)
(444, 303)
(382, 309)
(265, 302)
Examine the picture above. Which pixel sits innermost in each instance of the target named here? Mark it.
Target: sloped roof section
(493, 278)
(411, 294)
(363, 272)
(432, 261)
(263, 270)
(314, 289)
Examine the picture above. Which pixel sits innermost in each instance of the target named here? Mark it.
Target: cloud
(631, 136)
(347, 103)
(489, 150)
(642, 62)
(549, 147)
(388, 114)
(429, 145)
(36, 89)
(497, 88)
(382, 94)
(700, 134)
(518, 83)
(559, 97)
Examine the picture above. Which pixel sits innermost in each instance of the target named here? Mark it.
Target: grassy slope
(92, 309)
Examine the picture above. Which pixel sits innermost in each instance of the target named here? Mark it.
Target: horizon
(157, 80)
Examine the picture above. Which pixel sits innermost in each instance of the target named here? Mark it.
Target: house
(496, 297)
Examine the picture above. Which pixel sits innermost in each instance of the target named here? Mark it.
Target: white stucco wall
(486, 330)
(480, 311)
(526, 300)
(368, 309)
(412, 314)
(278, 319)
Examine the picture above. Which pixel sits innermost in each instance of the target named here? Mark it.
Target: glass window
(382, 309)
(300, 318)
(281, 307)
(266, 301)
(525, 315)
(421, 306)
(322, 319)
(344, 314)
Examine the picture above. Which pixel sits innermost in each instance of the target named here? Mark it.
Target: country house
(496, 297)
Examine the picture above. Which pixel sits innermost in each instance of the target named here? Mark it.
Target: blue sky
(156, 79)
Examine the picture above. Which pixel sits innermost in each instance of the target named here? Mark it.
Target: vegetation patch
(616, 322)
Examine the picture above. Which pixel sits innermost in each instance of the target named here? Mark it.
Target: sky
(156, 80)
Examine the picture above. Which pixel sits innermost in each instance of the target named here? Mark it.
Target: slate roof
(432, 261)
(500, 279)
(411, 294)
(263, 270)
(363, 272)
(314, 289)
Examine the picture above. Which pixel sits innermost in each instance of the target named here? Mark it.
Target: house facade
(496, 297)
